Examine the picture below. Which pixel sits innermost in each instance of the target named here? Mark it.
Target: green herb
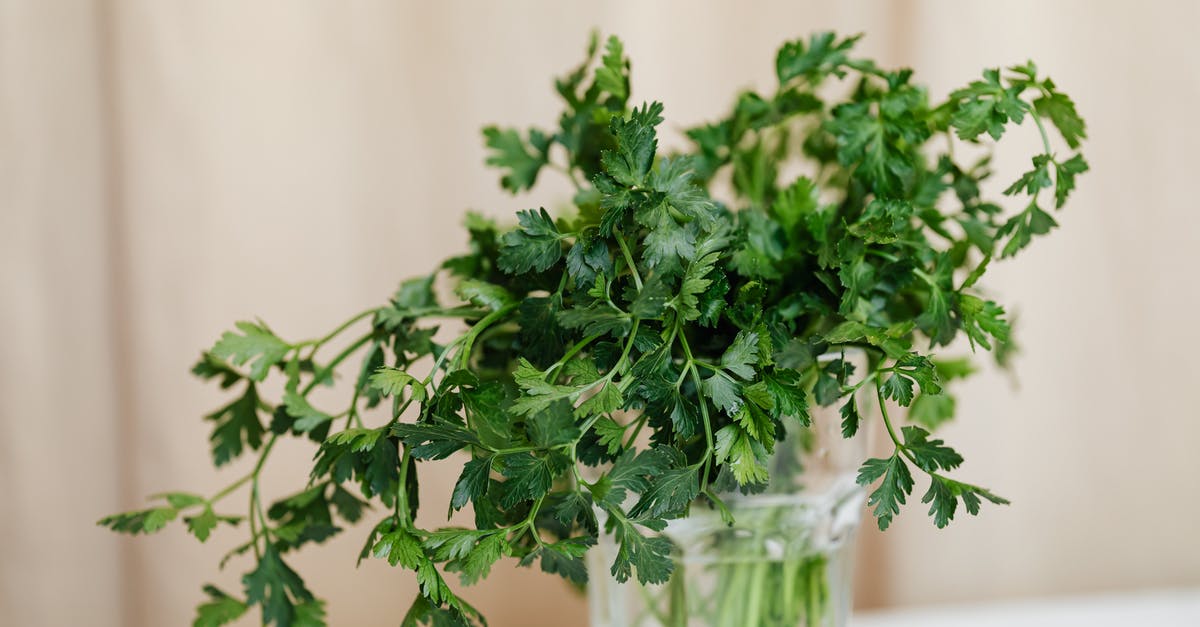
(655, 307)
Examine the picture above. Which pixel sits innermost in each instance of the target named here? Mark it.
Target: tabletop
(1159, 608)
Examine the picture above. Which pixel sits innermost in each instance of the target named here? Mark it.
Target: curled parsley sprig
(657, 308)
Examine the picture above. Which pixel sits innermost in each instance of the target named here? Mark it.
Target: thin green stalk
(1041, 127)
(887, 422)
(328, 369)
(708, 432)
(403, 515)
(637, 278)
(754, 590)
(229, 489)
(571, 352)
(317, 344)
(255, 504)
(479, 327)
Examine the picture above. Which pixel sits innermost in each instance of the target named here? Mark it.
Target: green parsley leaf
(219, 610)
(486, 295)
(649, 558)
(256, 344)
(724, 392)
(824, 55)
(613, 75)
(612, 435)
(942, 502)
(896, 485)
(528, 476)
(203, 523)
(535, 245)
(931, 410)
(555, 426)
(521, 159)
(742, 355)
(433, 440)
(401, 547)
(393, 381)
(790, 396)
(669, 495)
(277, 588)
(636, 144)
(850, 417)
(307, 417)
(1060, 109)
(473, 484)
(565, 558)
(1064, 177)
(744, 455)
(899, 388)
(930, 455)
(237, 427)
(141, 521)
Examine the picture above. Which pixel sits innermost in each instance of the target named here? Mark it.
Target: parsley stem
(638, 424)
(708, 434)
(890, 429)
(352, 413)
(580, 345)
(568, 172)
(253, 527)
(479, 327)
(323, 373)
(229, 489)
(894, 259)
(637, 278)
(621, 365)
(255, 503)
(1041, 127)
(316, 344)
(402, 491)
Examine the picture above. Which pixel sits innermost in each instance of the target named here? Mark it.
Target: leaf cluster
(659, 334)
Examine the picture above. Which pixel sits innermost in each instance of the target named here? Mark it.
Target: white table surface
(1159, 608)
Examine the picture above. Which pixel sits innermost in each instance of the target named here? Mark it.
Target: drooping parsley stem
(323, 373)
(637, 278)
(316, 344)
(479, 327)
(403, 515)
(621, 363)
(1041, 127)
(255, 504)
(230, 489)
(255, 507)
(887, 421)
(708, 433)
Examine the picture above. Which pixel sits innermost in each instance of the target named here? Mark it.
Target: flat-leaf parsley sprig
(656, 308)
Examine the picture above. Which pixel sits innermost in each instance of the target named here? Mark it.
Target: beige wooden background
(167, 167)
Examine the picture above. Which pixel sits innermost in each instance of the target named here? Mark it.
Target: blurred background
(167, 168)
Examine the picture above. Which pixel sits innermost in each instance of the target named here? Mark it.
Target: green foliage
(535, 246)
(280, 592)
(219, 610)
(896, 485)
(667, 331)
(255, 344)
(237, 427)
(521, 158)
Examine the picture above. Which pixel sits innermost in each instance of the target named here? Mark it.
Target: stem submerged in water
(744, 584)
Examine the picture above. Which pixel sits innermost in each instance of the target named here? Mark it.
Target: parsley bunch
(657, 310)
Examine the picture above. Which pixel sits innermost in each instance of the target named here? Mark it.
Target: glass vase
(785, 562)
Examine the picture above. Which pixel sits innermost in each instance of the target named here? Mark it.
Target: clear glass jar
(786, 561)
